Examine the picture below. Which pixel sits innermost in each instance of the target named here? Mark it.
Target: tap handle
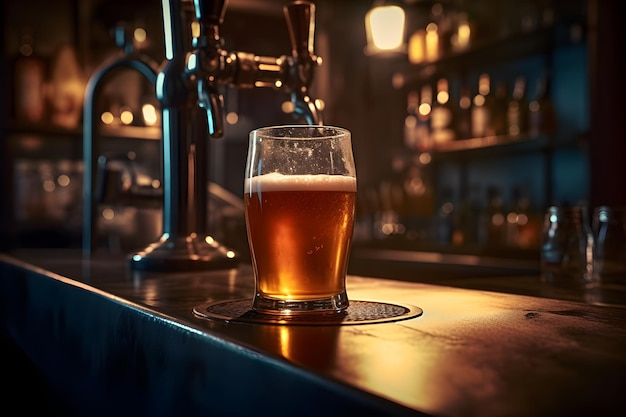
(210, 11)
(212, 101)
(300, 17)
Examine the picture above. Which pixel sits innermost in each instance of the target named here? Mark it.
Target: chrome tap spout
(187, 86)
(213, 66)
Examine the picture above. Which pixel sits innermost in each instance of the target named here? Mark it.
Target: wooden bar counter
(116, 342)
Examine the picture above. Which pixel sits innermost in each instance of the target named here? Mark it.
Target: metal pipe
(187, 86)
(148, 69)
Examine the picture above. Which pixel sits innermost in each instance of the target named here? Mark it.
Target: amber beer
(300, 229)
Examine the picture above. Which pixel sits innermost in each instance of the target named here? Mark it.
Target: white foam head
(279, 182)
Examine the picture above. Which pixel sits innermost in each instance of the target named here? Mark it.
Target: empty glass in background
(609, 260)
(567, 247)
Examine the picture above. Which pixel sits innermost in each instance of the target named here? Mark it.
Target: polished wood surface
(472, 353)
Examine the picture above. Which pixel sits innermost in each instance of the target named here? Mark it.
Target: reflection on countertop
(119, 342)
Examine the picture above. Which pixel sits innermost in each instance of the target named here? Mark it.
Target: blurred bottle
(468, 218)
(498, 125)
(410, 121)
(442, 114)
(517, 219)
(517, 109)
(609, 260)
(29, 71)
(432, 41)
(496, 222)
(417, 47)
(66, 89)
(446, 218)
(424, 112)
(541, 119)
(460, 39)
(566, 247)
(444, 15)
(463, 115)
(482, 105)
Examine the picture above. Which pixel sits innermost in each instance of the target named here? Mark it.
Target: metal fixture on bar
(187, 86)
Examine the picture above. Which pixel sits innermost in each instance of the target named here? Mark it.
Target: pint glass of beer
(299, 192)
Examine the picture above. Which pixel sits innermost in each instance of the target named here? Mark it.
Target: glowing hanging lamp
(384, 24)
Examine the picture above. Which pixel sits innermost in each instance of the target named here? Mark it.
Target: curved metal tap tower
(187, 86)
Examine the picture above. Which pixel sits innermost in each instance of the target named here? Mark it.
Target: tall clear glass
(609, 226)
(300, 193)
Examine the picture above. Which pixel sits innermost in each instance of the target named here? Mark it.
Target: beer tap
(213, 66)
(187, 86)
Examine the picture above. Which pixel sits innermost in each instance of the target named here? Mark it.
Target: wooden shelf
(121, 132)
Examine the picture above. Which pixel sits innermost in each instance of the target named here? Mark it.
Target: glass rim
(265, 132)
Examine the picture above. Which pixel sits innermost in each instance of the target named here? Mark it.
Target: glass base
(334, 304)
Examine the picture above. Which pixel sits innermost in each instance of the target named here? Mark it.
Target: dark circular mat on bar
(359, 312)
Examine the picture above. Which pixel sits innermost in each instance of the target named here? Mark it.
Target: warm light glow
(479, 100)
(424, 109)
(385, 27)
(497, 219)
(232, 118)
(463, 33)
(425, 158)
(432, 42)
(140, 35)
(287, 107)
(63, 180)
(195, 29)
(442, 91)
(269, 67)
(126, 116)
(150, 116)
(461, 39)
(107, 118)
(108, 213)
(416, 47)
(465, 102)
(484, 85)
(511, 217)
(49, 185)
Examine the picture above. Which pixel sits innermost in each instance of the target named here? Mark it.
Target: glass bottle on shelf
(460, 39)
(29, 72)
(410, 121)
(445, 17)
(66, 89)
(498, 111)
(423, 126)
(517, 219)
(445, 218)
(495, 218)
(482, 105)
(468, 218)
(517, 109)
(463, 116)
(442, 114)
(541, 119)
(416, 48)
